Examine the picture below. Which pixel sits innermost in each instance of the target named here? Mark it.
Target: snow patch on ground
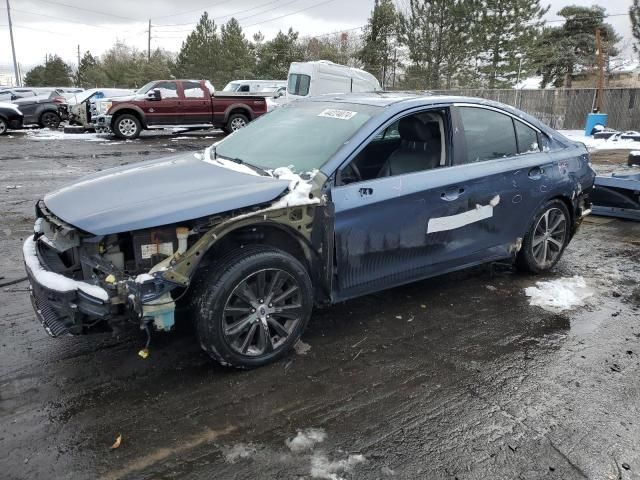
(238, 452)
(322, 467)
(559, 295)
(306, 439)
(600, 143)
(301, 348)
(57, 135)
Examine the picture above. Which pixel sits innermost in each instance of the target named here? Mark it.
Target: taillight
(59, 100)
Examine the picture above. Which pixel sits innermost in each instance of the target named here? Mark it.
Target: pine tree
(88, 64)
(439, 36)
(54, 73)
(564, 50)
(275, 56)
(380, 40)
(237, 60)
(123, 66)
(507, 33)
(199, 56)
(634, 14)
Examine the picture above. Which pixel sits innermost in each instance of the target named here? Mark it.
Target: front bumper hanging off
(61, 303)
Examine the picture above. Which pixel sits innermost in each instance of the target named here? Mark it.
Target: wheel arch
(238, 108)
(131, 110)
(268, 233)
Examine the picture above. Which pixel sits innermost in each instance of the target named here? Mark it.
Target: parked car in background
(254, 86)
(11, 94)
(308, 79)
(175, 103)
(322, 200)
(80, 104)
(44, 110)
(10, 117)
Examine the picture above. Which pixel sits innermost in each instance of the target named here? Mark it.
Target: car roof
(383, 99)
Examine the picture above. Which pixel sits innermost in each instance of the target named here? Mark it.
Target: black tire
(545, 241)
(4, 126)
(236, 122)
(127, 127)
(50, 120)
(239, 333)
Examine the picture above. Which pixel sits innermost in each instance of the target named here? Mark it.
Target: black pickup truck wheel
(236, 122)
(253, 306)
(127, 127)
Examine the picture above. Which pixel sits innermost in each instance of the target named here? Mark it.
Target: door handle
(536, 172)
(452, 193)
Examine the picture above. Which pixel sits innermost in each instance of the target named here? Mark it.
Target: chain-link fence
(567, 108)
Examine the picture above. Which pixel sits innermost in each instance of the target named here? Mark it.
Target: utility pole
(13, 48)
(148, 42)
(600, 85)
(78, 76)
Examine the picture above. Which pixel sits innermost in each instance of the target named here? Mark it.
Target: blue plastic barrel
(594, 119)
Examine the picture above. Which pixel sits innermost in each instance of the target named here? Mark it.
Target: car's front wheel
(546, 239)
(253, 306)
(3, 126)
(127, 127)
(49, 120)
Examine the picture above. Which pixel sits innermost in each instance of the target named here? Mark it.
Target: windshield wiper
(239, 161)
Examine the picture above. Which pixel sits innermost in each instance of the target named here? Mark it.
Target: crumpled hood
(158, 192)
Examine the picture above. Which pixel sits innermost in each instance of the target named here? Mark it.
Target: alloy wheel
(237, 123)
(127, 127)
(3, 126)
(261, 312)
(549, 236)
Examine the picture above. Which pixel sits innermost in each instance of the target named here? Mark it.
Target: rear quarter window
(489, 134)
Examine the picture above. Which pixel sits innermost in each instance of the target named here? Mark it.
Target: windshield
(301, 135)
(144, 89)
(299, 84)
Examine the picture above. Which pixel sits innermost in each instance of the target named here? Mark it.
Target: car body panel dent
(158, 192)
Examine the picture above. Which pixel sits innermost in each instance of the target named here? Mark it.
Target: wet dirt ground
(454, 377)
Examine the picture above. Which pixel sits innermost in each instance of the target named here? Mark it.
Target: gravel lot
(454, 377)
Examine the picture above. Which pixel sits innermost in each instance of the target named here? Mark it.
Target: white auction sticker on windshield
(334, 113)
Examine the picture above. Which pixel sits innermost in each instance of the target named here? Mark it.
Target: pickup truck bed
(175, 103)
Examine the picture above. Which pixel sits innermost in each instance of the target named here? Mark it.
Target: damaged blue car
(319, 201)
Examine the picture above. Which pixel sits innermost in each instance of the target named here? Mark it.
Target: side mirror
(154, 95)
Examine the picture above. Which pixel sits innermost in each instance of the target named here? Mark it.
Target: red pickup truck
(175, 103)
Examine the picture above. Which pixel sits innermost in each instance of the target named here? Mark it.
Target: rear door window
(192, 90)
(527, 138)
(489, 134)
(299, 84)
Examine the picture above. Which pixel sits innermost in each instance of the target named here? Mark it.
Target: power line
(289, 14)
(66, 20)
(75, 7)
(222, 16)
(191, 11)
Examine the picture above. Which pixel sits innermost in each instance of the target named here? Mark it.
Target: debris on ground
(117, 443)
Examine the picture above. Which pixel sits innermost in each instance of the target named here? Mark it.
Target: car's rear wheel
(546, 239)
(236, 122)
(3, 126)
(127, 127)
(253, 306)
(49, 120)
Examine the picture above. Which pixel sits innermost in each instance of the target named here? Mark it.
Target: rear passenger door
(195, 104)
(502, 153)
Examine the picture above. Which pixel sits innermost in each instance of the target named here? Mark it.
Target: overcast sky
(59, 26)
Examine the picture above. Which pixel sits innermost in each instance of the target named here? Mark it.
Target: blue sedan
(319, 201)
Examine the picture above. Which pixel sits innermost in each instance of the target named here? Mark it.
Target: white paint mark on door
(481, 212)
